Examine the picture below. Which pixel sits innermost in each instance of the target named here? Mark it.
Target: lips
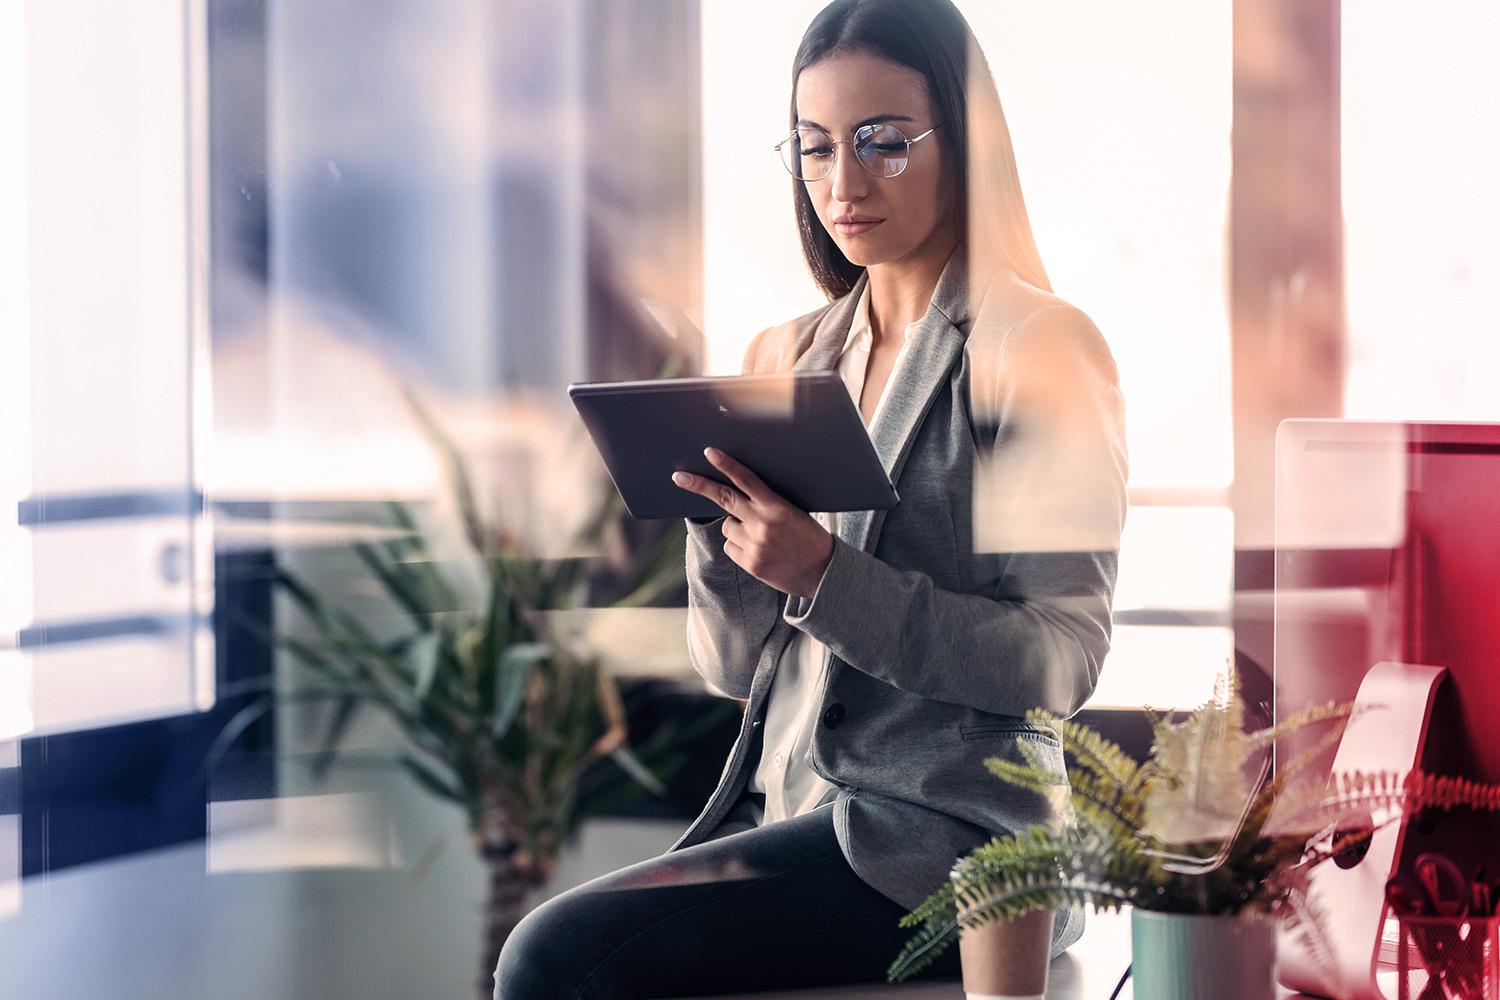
(853, 225)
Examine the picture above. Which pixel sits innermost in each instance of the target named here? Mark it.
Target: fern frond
(1038, 849)
(1433, 791)
(1332, 843)
(1360, 795)
(1265, 801)
(1313, 715)
(1039, 853)
(1111, 809)
(1308, 922)
(1055, 893)
(941, 901)
(1026, 777)
(939, 933)
(1090, 750)
(922, 949)
(1347, 794)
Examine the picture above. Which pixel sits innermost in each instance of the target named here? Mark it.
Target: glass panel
(1127, 186)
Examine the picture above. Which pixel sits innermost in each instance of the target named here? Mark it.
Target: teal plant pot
(1176, 956)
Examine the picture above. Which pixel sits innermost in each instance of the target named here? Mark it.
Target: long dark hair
(932, 38)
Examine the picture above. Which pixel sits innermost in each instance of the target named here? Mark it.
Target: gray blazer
(985, 592)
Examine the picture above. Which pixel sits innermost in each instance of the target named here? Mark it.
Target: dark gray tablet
(799, 431)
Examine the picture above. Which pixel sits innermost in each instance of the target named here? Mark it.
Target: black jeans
(767, 907)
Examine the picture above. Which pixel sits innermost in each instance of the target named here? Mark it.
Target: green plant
(503, 715)
(1187, 831)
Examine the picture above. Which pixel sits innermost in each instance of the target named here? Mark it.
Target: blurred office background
(233, 233)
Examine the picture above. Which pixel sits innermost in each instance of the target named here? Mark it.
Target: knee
(534, 964)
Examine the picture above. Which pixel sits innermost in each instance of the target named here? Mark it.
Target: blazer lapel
(935, 344)
(831, 331)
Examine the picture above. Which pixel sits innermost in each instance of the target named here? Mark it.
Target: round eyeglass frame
(864, 132)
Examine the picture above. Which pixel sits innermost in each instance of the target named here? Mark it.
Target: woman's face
(913, 211)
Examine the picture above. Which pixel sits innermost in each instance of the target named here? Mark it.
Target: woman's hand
(766, 536)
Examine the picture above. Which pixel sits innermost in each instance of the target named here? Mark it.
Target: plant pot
(1179, 956)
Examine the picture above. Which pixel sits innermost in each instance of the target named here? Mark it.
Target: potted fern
(1207, 856)
(503, 713)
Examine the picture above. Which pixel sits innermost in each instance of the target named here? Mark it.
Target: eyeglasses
(883, 150)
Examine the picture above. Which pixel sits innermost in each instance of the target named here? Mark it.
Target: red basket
(1449, 958)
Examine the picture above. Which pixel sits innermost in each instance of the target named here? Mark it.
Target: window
(1421, 208)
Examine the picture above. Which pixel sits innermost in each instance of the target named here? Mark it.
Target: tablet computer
(799, 431)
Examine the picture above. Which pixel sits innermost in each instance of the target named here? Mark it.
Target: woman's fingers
(727, 497)
(736, 531)
(749, 483)
(747, 489)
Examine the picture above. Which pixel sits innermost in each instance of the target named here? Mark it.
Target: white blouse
(790, 785)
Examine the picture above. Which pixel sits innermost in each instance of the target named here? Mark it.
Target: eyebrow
(874, 120)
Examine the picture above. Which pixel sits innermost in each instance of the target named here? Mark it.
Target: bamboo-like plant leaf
(602, 789)
(235, 728)
(334, 733)
(663, 570)
(429, 779)
(438, 595)
(426, 734)
(632, 765)
(254, 711)
(332, 661)
(343, 630)
(425, 654)
(455, 470)
(504, 715)
(607, 511)
(510, 682)
(495, 636)
(403, 590)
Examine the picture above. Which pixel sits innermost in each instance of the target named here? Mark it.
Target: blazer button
(834, 716)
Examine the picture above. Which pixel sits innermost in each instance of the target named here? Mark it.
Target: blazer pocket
(1021, 730)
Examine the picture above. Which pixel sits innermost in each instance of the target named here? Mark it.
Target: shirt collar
(860, 333)
(859, 325)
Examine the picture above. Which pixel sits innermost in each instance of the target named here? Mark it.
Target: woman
(882, 656)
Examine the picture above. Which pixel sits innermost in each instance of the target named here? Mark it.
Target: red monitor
(1388, 548)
